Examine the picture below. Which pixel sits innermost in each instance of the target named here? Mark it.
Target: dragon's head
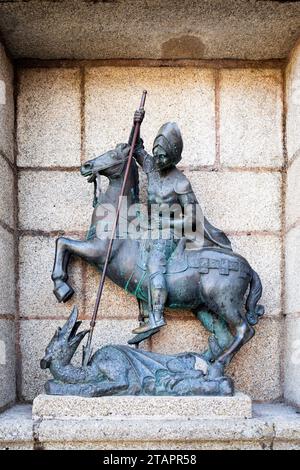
(65, 342)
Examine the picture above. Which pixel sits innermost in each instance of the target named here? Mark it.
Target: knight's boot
(158, 314)
(156, 321)
(143, 328)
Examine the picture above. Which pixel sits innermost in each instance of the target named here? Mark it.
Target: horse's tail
(254, 310)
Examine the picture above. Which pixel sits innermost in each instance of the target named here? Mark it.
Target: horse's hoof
(63, 293)
(226, 387)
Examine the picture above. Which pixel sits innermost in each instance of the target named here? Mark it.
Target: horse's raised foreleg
(89, 250)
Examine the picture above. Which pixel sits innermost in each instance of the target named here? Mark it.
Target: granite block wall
(231, 121)
(292, 229)
(7, 233)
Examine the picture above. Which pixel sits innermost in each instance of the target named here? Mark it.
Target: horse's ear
(126, 149)
(123, 149)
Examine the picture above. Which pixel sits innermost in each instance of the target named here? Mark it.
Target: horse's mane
(134, 172)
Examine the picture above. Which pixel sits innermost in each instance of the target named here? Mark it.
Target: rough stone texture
(49, 117)
(273, 426)
(292, 280)
(293, 103)
(239, 201)
(292, 239)
(251, 118)
(181, 334)
(115, 302)
(51, 407)
(6, 106)
(153, 445)
(54, 200)
(256, 369)
(36, 334)
(287, 433)
(286, 424)
(96, 29)
(7, 260)
(152, 433)
(6, 193)
(292, 359)
(7, 273)
(184, 95)
(16, 430)
(264, 255)
(7, 362)
(35, 284)
(293, 192)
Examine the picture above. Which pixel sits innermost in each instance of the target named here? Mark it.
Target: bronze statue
(210, 281)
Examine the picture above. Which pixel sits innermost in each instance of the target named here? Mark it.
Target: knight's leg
(143, 316)
(159, 296)
(156, 268)
(65, 247)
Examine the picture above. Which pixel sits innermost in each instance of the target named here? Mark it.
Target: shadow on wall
(183, 47)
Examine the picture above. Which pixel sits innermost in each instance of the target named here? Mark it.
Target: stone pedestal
(142, 422)
(272, 426)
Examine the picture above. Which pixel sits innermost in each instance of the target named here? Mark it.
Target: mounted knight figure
(174, 213)
(160, 271)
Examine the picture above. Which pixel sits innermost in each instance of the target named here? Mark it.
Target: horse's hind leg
(65, 247)
(221, 337)
(243, 332)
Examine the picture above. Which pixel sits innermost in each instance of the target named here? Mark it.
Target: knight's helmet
(170, 139)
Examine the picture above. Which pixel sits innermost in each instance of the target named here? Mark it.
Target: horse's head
(64, 343)
(109, 164)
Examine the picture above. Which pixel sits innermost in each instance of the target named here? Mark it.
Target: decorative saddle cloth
(202, 260)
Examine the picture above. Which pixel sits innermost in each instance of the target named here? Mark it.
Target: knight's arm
(192, 214)
(192, 219)
(142, 157)
(188, 201)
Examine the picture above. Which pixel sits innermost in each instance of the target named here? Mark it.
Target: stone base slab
(164, 407)
(273, 426)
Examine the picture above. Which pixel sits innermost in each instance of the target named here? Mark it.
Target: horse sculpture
(211, 282)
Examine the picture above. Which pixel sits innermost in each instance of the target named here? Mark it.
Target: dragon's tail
(254, 310)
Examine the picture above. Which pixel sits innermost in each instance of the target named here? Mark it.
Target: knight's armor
(167, 186)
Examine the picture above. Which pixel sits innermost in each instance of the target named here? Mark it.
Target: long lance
(87, 351)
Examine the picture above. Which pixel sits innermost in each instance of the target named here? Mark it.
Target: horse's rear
(197, 276)
(214, 285)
